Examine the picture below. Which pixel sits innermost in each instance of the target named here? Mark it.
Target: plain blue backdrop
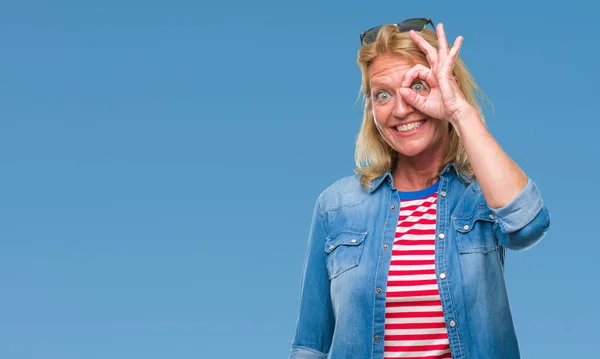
(160, 161)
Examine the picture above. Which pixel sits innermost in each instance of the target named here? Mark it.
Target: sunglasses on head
(417, 24)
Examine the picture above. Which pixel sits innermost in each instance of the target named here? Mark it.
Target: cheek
(441, 129)
(379, 119)
(380, 113)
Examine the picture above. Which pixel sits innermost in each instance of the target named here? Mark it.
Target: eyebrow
(384, 84)
(378, 84)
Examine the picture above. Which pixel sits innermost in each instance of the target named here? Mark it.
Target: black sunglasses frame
(425, 20)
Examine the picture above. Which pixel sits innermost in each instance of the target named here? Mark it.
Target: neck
(412, 173)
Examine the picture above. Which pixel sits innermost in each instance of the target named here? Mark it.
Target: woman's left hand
(445, 100)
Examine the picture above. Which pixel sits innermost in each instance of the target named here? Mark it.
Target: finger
(430, 51)
(456, 47)
(442, 41)
(416, 72)
(413, 99)
(453, 54)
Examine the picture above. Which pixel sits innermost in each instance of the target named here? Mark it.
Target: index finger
(418, 72)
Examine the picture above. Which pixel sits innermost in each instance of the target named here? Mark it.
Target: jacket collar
(388, 177)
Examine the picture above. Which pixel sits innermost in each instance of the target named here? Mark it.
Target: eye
(382, 96)
(419, 86)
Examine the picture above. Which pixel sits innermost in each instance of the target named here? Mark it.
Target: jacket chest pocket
(344, 249)
(475, 234)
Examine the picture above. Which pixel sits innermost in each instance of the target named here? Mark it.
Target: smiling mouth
(409, 126)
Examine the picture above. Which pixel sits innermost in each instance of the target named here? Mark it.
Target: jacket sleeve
(524, 221)
(315, 323)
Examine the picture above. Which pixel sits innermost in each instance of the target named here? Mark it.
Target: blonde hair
(373, 156)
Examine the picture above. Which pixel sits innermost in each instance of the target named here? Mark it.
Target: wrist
(467, 118)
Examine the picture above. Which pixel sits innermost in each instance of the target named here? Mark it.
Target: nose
(402, 108)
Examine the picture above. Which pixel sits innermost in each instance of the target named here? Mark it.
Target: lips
(408, 127)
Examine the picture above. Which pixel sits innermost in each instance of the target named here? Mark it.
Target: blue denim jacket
(343, 286)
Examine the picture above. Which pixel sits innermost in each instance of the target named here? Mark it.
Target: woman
(405, 258)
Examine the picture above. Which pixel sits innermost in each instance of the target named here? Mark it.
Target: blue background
(160, 162)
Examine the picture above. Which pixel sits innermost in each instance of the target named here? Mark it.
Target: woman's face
(405, 129)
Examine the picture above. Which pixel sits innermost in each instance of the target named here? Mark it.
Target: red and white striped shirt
(414, 321)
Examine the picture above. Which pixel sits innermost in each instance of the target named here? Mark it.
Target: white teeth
(410, 126)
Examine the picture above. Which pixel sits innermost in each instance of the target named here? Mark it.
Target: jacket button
(385, 246)
(443, 193)
(393, 207)
(443, 276)
(491, 216)
(378, 290)
(466, 227)
(441, 235)
(353, 241)
(452, 323)
(377, 338)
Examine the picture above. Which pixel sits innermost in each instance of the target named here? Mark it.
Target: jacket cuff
(521, 210)
(299, 352)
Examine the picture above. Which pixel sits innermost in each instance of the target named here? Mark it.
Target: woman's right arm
(315, 324)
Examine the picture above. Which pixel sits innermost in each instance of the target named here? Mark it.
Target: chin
(417, 147)
(411, 150)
